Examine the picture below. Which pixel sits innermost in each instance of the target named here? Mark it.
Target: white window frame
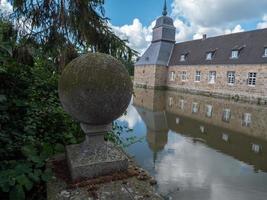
(235, 54)
(212, 77)
(256, 148)
(170, 101)
(231, 77)
(209, 56)
(252, 79)
(182, 57)
(195, 107)
(172, 76)
(198, 76)
(225, 137)
(202, 129)
(177, 120)
(209, 111)
(182, 103)
(246, 119)
(226, 115)
(184, 75)
(265, 52)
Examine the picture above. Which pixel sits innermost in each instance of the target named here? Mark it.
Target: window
(182, 58)
(172, 76)
(195, 107)
(209, 56)
(170, 101)
(184, 76)
(246, 120)
(202, 129)
(252, 78)
(265, 52)
(235, 54)
(197, 76)
(209, 109)
(256, 148)
(177, 120)
(225, 137)
(226, 115)
(182, 104)
(231, 78)
(212, 77)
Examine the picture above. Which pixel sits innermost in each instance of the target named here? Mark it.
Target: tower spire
(164, 12)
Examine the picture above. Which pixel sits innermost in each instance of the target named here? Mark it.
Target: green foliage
(121, 135)
(69, 25)
(33, 126)
(7, 40)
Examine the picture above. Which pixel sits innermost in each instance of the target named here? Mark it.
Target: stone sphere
(95, 89)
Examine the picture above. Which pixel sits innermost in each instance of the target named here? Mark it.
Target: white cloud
(138, 35)
(210, 13)
(238, 28)
(263, 24)
(5, 7)
(182, 30)
(193, 18)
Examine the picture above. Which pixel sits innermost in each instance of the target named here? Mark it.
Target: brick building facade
(229, 66)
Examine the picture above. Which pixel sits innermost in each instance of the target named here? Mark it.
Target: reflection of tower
(157, 129)
(150, 104)
(150, 99)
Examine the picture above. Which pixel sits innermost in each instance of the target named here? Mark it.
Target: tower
(151, 68)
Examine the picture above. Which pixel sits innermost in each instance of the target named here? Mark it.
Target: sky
(134, 19)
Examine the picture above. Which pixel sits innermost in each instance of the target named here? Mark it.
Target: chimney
(204, 36)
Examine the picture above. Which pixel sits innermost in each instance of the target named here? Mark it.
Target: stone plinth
(94, 157)
(95, 89)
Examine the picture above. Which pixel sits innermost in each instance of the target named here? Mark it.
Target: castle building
(228, 66)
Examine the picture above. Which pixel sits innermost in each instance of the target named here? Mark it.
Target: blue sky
(134, 19)
(124, 12)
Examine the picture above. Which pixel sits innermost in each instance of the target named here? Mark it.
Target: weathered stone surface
(155, 76)
(122, 185)
(95, 160)
(95, 89)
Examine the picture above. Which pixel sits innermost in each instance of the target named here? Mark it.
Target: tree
(65, 27)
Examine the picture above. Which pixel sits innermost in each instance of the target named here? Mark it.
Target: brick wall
(151, 75)
(240, 87)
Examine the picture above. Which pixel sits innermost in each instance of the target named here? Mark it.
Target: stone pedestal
(94, 157)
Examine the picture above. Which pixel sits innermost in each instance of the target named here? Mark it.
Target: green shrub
(33, 125)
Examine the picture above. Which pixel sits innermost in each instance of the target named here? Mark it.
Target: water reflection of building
(244, 118)
(150, 106)
(235, 129)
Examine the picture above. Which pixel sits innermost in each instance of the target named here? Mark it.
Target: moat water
(200, 148)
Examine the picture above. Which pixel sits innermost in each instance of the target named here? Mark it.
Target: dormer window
(265, 52)
(182, 57)
(235, 54)
(236, 51)
(209, 56)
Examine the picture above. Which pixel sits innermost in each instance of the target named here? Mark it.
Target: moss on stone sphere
(95, 89)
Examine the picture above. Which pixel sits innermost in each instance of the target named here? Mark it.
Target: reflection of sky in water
(186, 169)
